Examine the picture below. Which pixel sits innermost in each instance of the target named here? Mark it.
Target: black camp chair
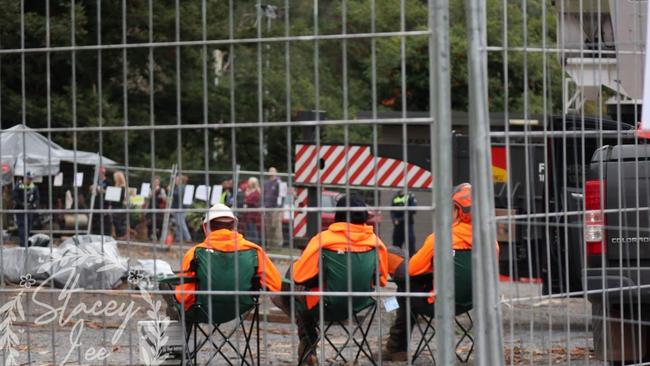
(221, 271)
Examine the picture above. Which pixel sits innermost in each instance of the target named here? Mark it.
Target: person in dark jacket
(102, 223)
(272, 200)
(157, 200)
(119, 218)
(398, 216)
(25, 197)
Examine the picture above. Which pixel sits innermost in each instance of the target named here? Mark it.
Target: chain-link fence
(247, 182)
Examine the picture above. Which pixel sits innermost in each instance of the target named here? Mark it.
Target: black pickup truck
(616, 230)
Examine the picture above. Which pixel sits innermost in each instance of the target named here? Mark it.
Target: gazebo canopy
(25, 150)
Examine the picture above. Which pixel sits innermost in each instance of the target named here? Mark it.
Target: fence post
(440, 101)
(484, 262)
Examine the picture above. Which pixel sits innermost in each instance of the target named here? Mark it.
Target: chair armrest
(175, 280)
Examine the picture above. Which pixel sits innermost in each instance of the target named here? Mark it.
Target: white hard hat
(219, 211)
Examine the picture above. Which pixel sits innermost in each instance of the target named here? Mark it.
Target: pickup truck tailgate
(627, 197)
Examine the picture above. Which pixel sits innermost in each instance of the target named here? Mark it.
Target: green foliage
(194, 220)
(186, 89)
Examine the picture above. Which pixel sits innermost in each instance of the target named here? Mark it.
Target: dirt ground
(534, 332)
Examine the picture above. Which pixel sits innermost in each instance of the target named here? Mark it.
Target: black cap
(356, 217)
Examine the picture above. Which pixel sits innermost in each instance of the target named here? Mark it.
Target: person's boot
(399, 356)
(389, 353)
(395, 349)
(304, 346)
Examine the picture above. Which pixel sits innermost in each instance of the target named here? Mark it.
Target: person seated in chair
(348, 233)
(420, 270)
(220, 228)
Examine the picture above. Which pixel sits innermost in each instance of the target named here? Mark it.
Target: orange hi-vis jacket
(461, 239)
(227, 241)
(339, 236)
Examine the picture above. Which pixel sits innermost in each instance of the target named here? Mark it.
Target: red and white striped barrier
(355, 166)
(351, 165)
(300, 217)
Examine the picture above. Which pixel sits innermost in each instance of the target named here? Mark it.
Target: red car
(328, 201)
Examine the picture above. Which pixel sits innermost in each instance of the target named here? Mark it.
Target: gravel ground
(535, 331)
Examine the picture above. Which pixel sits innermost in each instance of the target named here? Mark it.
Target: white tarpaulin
(94, 262)
(25, 150)
(17, 262)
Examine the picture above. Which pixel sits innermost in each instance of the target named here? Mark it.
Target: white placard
(202, 193)
(645, 112)
(188, 195)
(113, 194)
(79, 179)
(145, 189)
(58, 180)
(68, 200)
(283, 189)
(217, 189)
(282, 192)
(391, 304)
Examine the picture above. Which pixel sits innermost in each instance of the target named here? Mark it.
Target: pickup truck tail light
(594, 220)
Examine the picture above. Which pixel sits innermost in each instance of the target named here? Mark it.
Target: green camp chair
(347, 271)
(221, 271)
(421, 310)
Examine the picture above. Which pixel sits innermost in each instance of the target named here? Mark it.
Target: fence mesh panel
(221, 182)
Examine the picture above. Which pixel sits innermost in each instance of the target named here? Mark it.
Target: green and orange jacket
(461, 239)
(339, 236)
(227, 241)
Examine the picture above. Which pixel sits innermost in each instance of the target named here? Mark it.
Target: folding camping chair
(221, 271)
(421, 310)
(359, 269)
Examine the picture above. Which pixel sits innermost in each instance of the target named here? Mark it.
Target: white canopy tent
(25, 150)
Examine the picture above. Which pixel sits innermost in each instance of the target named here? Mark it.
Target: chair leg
(247, 337)
(466, 334)
(338, 350)
(187, 355)
(195, 350)
(364, 335)
(208, 338)
(257, 326)
(425, 337)
(225, 341)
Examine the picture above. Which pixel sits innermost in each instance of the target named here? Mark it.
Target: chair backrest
(348, 271)
(223, 271)
(462, 283)
(463, 280)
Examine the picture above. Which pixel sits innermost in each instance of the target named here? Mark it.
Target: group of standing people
(113, 223)
(251, 197)
(110, 217)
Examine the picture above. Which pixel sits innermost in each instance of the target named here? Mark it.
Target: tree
(191, 96)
